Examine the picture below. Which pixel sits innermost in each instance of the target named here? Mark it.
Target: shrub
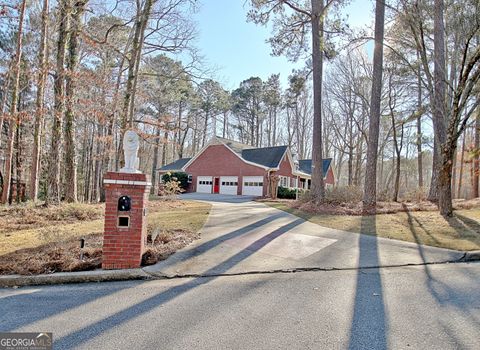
(171, 189)
(286, 193)
(181, 177)
(344, 194)
(73, 211)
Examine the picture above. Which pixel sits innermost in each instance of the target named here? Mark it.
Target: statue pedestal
(125, 233)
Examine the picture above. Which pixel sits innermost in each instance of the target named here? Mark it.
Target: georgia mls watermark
(26, 341)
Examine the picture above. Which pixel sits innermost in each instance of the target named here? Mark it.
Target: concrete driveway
(242, 236)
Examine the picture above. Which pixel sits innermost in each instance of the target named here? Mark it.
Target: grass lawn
(46, 240)
(462, 232)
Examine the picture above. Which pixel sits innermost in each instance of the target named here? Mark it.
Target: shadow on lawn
(369, 324)
(462, 225)
(87, 333)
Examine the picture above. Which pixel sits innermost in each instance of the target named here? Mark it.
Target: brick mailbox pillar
(125, 233)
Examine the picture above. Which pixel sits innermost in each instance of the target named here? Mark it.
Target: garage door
(252, 186)
(204, 184)
(228, 184)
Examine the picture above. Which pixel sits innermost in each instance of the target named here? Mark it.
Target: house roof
(176, 165)
(235, 146)
(268, 156)
(305, 166)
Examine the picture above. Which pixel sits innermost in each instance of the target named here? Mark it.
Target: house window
(284, 181)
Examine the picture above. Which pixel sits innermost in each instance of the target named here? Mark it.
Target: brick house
(229, 167)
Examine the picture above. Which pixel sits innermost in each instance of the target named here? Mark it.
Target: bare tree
(12, 125)
(39, 103)
(53, 191)
(370, 190)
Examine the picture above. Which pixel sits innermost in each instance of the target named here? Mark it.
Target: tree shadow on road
(441, 292)
(369, 324)
(95, 329)
(42, 306)
(28, 308)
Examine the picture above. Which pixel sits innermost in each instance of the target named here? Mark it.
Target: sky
(237, 49)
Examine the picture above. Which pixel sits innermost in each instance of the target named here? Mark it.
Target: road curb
(74, 277)
(474, 255)
(140, 274)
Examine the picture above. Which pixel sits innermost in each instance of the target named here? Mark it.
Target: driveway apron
(243, 236)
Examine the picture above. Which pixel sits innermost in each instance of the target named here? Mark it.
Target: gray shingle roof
(176, 165)
(235, 146)
(269, 157)
(305, 166)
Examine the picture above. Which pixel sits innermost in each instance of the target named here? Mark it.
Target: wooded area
(400, 121)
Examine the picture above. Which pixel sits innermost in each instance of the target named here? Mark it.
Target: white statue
(130, 150)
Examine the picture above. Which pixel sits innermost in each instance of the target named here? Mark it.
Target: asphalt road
(422, 307)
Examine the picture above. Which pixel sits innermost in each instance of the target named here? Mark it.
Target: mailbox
(124, 203)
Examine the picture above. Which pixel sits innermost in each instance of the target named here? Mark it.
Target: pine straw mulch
(357, 209)
(65, 256)
(30, 215)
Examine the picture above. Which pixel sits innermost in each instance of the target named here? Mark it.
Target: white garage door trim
(228, 185)
(252, 186)
(204, 184)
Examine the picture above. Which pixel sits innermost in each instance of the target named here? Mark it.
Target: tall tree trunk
(53, 192)
(438, 114)
(97, 182)
(419, 130)
(370, 190)
(155, 161)
(13, 109)
(205, 129)
(164, 148)
(19, 166)
(274, 140)
(126, 119)
(225, 122)
(6, 87)
(460, 175)
(70, 86)
(476, 158)
(138, 57)
(433, 191)
(317, 18)
(39, 103)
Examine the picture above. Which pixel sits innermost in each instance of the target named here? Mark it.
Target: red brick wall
(285, 167)
(218, 160)
(123, 247)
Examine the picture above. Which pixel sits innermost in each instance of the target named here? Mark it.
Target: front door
(216, 185)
